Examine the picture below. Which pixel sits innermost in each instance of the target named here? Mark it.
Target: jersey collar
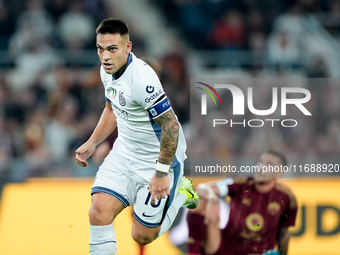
(117, 75)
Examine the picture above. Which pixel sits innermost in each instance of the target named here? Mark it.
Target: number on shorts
(148, 199)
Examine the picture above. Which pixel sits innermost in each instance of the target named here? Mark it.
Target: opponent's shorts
(128, 182)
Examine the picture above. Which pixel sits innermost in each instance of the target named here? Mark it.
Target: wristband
(162, 168)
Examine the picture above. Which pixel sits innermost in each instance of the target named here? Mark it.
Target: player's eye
(100, 49)
(113, 49)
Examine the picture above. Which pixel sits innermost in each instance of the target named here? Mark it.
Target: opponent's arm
(283, 238)
(214, 239)
(106, 125)
(208, 190)
(211, 190)
(212, 220)
(159, 184)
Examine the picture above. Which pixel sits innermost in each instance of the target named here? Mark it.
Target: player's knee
(143, 238)
(99, 216)
(94, 214)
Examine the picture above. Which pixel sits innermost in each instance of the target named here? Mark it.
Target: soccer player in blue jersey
(145, 165)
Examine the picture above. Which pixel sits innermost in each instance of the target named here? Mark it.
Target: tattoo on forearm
(169, 137)
(160, 174)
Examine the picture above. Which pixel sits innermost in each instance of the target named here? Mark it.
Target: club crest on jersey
(150, 89)
(254, 222)
(122, 101)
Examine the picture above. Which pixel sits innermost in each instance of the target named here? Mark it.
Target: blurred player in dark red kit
(202, 236)
(261, 211)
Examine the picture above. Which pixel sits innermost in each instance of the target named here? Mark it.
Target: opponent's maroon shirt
(255, 218)
(197, 234)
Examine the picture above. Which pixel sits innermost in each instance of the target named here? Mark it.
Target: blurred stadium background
(51, 98)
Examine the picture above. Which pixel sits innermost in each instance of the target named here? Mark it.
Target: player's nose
(106, 56)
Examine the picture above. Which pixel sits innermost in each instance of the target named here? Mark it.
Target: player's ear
(129, 47)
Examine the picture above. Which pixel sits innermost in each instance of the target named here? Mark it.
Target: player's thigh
(112, 189)
(147, 215)
(113, 179)
(143, 235)
(104, 209)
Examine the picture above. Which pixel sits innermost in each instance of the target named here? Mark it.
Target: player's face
(113, 51)
(267, 160)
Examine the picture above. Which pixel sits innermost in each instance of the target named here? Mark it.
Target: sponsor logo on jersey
(153, 96)
(150, 89)
(122, 101)
(121, 113)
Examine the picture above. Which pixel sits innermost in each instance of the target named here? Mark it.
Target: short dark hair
(282, 157)
(112, 26)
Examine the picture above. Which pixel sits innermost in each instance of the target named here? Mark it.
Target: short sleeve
(289, 216)
(237, 187)
(149, 93)
(147, 88)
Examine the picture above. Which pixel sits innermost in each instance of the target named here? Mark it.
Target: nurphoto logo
(238, 105)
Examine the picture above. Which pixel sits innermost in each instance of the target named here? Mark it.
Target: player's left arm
(169, 137)
(283, 239)
(159, 184)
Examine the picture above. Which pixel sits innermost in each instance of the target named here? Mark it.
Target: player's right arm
(106, 125)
